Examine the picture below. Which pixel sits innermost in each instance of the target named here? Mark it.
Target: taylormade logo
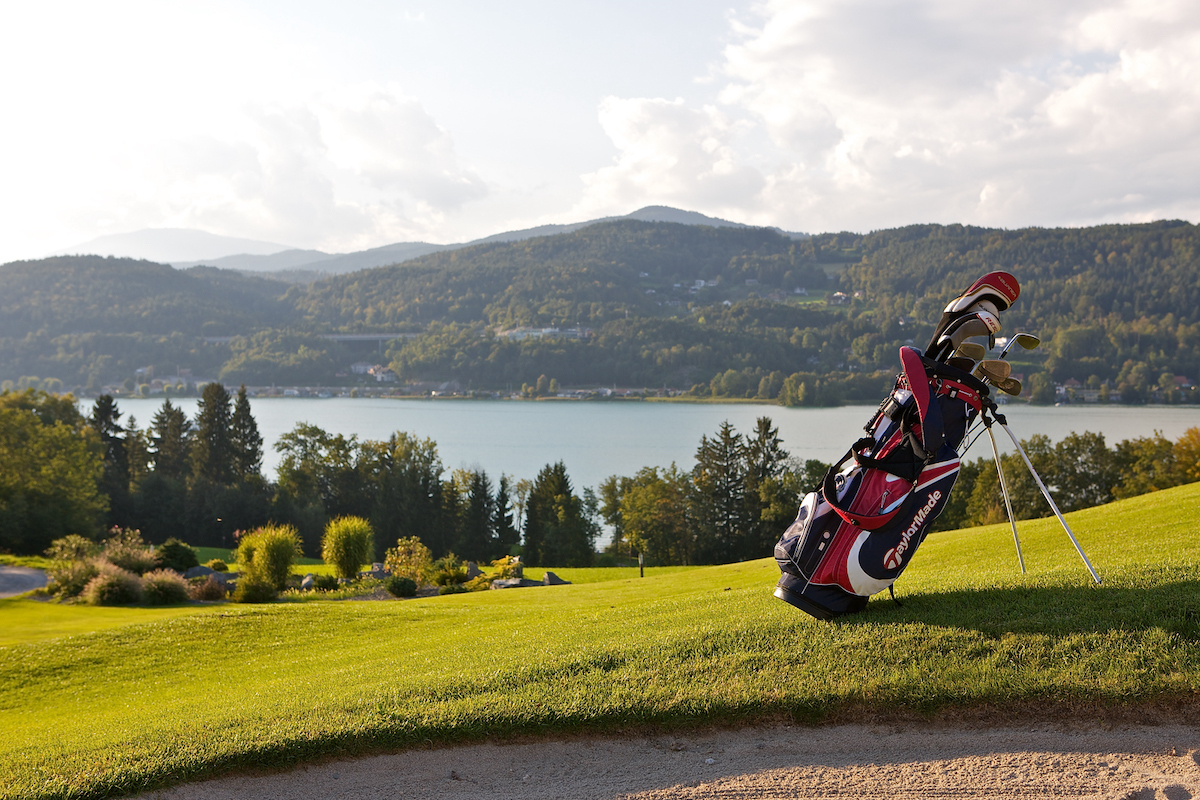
(892, 558)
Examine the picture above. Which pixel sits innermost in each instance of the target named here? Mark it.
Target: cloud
(837, 114)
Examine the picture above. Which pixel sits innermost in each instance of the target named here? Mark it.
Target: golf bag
(856, 534)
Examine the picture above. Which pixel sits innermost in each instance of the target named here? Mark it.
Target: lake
(598, 439)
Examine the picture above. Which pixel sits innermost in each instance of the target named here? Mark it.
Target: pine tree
(718, 483)
(172, 442)
(506, 536)
(212, 453)
(106, 421)
(475, 520)
(558, 531)
(246, 442)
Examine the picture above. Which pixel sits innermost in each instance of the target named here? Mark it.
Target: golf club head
(1027, 341)
(1009, 386)
(993, 370)
(971, 350)
(961, 362)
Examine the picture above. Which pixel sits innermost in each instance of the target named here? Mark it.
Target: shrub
(113, 586)
(326, 583)
(253, 589)
(72, 548)
(174, 554)
(508, 567)
(266, 556)
(452, 588)
(479, 583)
(217, 565)
(164, 587)
(400, 586)
(126, 550)
(348, 543)
(409, 559)
(68, 578)
(208, 588)
(447, 570)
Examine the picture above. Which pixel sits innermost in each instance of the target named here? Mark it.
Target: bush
(72, 548)
(68, 578)
(453, 588)
(174, 554)
(126, 550)
(479, 583)
(207, 588)
(217, 565)
(508, 567)
(253, 589)
(266, 556)
(409, 559)
(400, 586)
(348, 543)
(326, 583)
(113, 586)
(164, 587)
(448, 570)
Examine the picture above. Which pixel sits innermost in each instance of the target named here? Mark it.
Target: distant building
(517, 334)
(362, 367)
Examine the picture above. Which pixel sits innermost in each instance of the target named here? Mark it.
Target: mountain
(312, 263)
(167, 245)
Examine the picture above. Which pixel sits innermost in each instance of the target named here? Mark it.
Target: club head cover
(999, 288)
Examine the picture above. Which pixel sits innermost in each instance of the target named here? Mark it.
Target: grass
(36, 562)
(160, 700)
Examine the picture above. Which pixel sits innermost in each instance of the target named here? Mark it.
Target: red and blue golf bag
(856, 534)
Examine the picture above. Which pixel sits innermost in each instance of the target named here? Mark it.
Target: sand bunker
(845, 761)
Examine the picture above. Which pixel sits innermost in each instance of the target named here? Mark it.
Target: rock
(506, 583)
(518, 567)
(473, 570)
(198, 572)
(308, 582)
(550, 579)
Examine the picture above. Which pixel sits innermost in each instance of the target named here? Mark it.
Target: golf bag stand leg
(1049, 499)
(1012, 520)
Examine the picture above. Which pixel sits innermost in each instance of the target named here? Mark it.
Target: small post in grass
(641, 566)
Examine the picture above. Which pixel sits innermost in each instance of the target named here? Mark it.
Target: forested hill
(98, 294)
(1115, 303)
(584, 277)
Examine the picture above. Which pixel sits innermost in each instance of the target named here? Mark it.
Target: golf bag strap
(867, 522)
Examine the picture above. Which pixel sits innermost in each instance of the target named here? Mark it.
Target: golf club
(1027, 340)
(971, 350)
(993, 370)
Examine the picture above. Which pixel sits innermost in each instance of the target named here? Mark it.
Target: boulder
(308, 582)
(550, 579)
(473, 570)
(518, 567)
(199, 572)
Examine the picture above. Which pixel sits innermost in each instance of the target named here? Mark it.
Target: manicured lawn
(219, 688)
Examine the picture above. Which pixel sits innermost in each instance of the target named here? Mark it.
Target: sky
(348, 125)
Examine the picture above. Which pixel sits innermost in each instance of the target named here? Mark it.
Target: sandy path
(18, 580)
(847, 761)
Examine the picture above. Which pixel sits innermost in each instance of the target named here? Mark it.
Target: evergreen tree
(171, 442)
(212, 452)
(558, 531)
(106, 421)
(506, 534)
(718, 487)
(766, 461)
(246, 442)
(475, 533)
(137, 454)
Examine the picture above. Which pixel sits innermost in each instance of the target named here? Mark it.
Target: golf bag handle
(867, 522)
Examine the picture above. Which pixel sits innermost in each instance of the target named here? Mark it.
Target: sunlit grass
(208, 689)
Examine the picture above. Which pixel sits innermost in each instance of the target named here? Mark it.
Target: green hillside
(152, 702)
(1116, 305)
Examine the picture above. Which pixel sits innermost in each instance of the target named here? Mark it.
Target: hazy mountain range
(183, 248)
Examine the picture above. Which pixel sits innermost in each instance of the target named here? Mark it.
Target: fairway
(125, 700)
